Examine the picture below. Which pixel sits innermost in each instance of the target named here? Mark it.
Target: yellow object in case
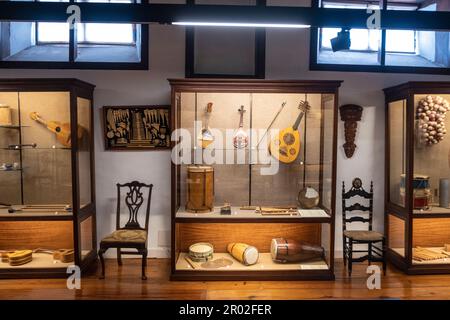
(244, 253)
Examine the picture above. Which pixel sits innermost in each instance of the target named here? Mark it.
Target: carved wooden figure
(350, 114)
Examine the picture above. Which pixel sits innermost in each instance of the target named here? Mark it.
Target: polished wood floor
(125, 283)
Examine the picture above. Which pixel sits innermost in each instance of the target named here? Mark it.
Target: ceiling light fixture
(241, 24)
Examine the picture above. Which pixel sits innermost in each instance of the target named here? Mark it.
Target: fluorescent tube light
(241, 24)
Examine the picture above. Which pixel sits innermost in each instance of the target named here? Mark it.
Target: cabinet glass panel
(396, 227)
(84, 150)
(431, 154)
(397, 151)
(10, 175)
(86, 239)
(431, 247)
(46, 154)
(259, 235)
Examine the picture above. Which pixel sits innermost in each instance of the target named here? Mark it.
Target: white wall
(287, 58)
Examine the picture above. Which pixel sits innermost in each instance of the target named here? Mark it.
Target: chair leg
(369, 253)
(102, 261)
(350, 257)
(119, 256)
(344, 250)
(144, 263)
(383, 251)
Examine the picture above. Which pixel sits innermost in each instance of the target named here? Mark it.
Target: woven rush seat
(363, 235)
(132, 236)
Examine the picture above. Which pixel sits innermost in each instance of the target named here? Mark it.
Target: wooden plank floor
(125, 283)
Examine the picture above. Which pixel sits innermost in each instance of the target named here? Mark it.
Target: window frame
(259, 60)
(143, 64)
(314, 65)
(133, 43)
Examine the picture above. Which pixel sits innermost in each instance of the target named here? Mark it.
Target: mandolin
(286, 146)
(240, 138)
(62, 130)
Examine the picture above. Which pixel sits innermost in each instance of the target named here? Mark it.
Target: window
(402, 49)
(104, 33)
(94, 46)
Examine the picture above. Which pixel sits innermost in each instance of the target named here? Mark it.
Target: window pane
(401, 41)
(361, 39)
(106, 33)
(53, 32)
(364, 48)
(418, 48)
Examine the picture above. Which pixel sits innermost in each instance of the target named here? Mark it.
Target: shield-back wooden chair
(375, 241)
(131, 235)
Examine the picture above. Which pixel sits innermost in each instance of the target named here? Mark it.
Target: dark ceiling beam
(167, 13)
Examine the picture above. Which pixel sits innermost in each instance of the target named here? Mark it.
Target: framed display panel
(48, 189)
(250, 179)
(417, 176)
(136, 127)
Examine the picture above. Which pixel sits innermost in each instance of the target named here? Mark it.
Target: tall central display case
(261, 192)
(417, 176)
(47, 190)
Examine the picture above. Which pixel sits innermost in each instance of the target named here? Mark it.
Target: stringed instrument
(61, 130)
(206, 137)
(286, 146)
(240, 138)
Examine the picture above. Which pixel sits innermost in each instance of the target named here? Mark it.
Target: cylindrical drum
(200, 189)
(201, 252)
(284, 250)
(443, 193)
(243, 252)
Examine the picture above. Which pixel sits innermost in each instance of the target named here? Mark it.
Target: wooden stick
(189, 262)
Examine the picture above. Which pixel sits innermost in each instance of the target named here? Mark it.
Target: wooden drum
(200, 189)
(285, 250)
(201, 252)
(243, 252)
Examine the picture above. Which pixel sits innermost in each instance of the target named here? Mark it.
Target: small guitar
(286, 146)
(62, 130)
(240, 138)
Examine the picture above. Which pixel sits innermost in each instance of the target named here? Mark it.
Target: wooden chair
(132, 235)
(375, 253)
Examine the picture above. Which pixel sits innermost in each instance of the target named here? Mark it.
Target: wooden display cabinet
(47, 190)
(416, 217)
(243, 182)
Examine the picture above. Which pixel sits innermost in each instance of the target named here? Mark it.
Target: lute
(61, 130)
(286, 146)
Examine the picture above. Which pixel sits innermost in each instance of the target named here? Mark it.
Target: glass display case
(417, 176)
(253, 176)
(47, 193)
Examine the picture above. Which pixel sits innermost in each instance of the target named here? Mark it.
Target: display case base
(265, 269)
(430, 267)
